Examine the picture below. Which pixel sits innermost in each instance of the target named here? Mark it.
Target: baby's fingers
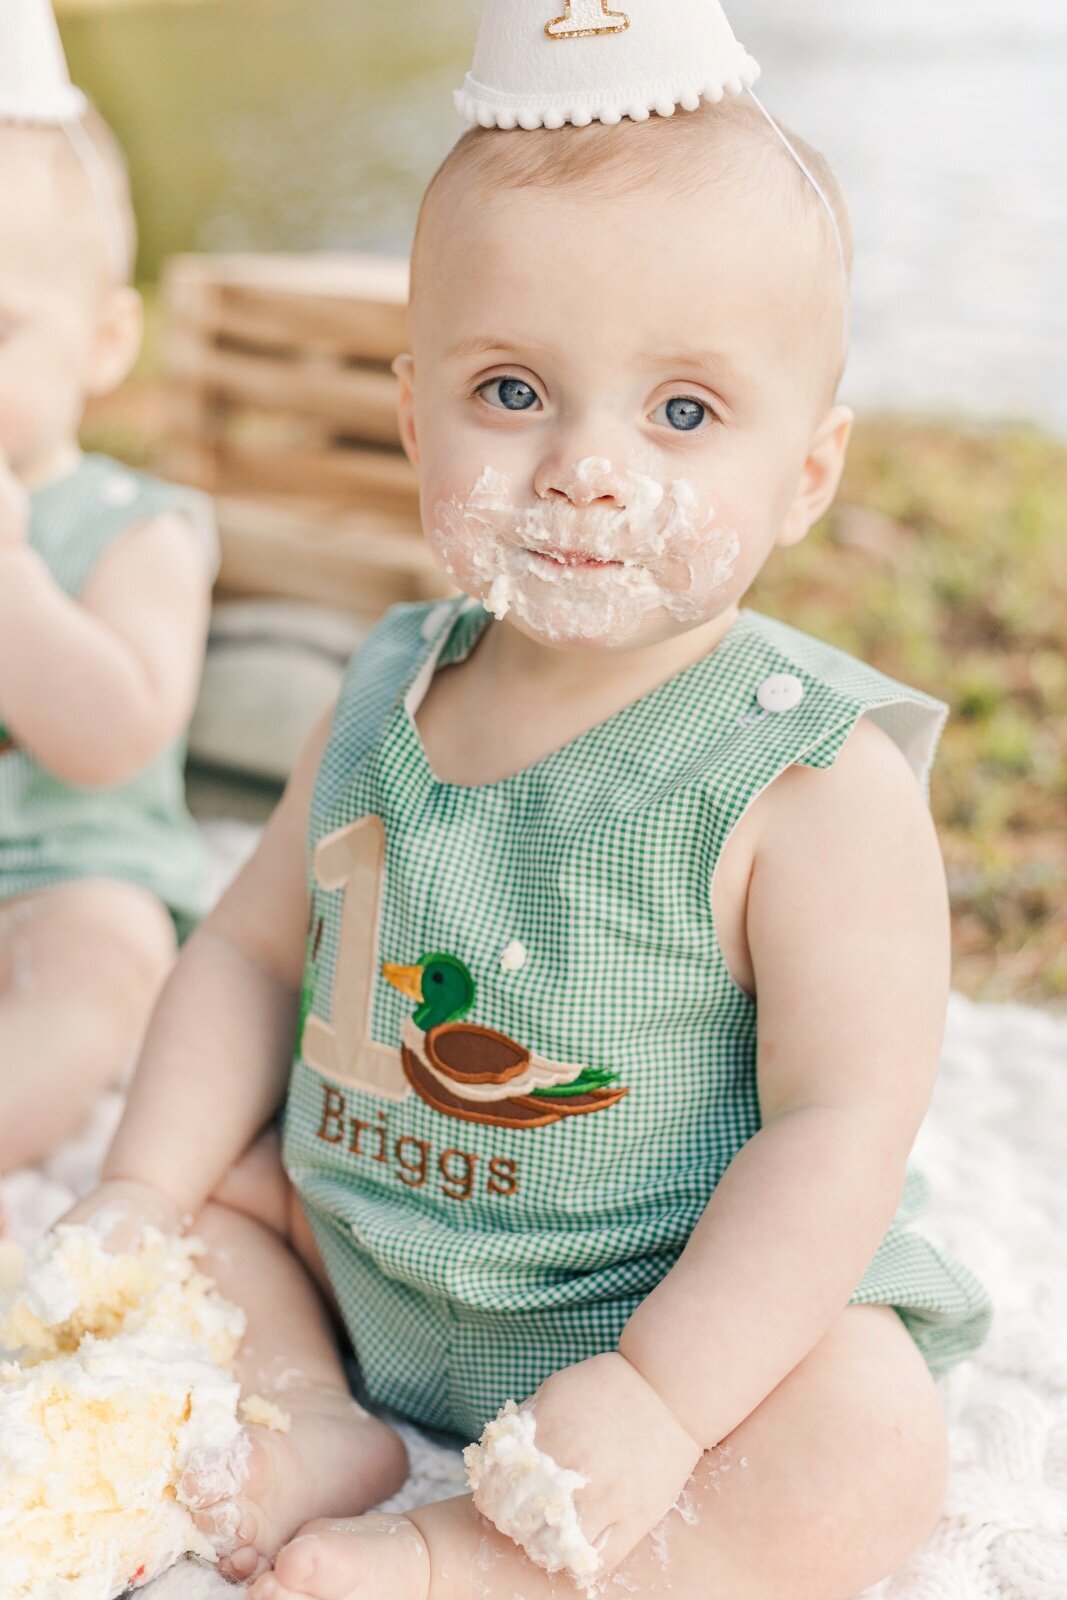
(120, 1210)
(619, 1514)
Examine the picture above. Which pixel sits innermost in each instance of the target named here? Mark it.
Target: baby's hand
(121, 1208)
(14, 508)
(602, 1420)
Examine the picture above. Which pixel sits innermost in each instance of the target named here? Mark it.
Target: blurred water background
(305, 124)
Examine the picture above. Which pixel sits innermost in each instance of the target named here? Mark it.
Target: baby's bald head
(719, 154)
(70, 322)
(65, 206)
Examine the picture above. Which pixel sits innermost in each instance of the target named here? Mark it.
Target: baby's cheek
(702, 561)
(454, 549)
(460, 536)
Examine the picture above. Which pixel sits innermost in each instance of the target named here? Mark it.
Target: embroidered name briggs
(456, 1171)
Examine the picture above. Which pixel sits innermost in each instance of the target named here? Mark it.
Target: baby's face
(50, 301)
(613, 402)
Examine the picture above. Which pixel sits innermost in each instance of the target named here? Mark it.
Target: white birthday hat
(543, 63)
(534, 67)
(35, 84)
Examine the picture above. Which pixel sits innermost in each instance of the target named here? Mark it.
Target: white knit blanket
(994, 1147)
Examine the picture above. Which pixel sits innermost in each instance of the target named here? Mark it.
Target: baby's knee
(101, 941)
(895, 1432)
(141, 934)
(839, 1476)
(917, 1457)
(257, 1186)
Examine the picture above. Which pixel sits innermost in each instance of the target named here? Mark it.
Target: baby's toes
(243, 1556)
(231, 1521)
(212, 1477)
(219, 1523)
(346, 1560)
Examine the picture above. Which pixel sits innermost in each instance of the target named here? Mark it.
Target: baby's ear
(820, 476)
(403, 367)
(116, 338)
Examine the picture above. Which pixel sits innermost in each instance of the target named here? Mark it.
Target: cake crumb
(254, 1408)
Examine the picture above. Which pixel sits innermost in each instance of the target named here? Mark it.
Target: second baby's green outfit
(524, 1064)
(138, 831)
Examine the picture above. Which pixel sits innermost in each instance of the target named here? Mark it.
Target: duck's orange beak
(407, 979)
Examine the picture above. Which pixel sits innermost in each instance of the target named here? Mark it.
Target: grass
(944, 563)
(273, 124)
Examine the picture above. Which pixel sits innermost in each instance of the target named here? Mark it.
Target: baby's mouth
(573, 558)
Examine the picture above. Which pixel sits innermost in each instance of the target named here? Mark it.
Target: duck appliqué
(480, 1075)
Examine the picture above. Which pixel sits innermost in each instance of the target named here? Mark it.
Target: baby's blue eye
(684, 414)
(515, 395)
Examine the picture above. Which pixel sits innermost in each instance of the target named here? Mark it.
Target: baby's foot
(363, 1558)
(334, 1459)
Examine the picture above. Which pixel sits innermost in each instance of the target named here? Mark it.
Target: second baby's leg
(335, 1456)
(80, 968)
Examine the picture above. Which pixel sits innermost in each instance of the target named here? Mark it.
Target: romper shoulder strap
(846, 689)
(377, 676)
(786, 699)
(75, 519)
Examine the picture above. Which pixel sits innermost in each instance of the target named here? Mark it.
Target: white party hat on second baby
(36, 91)
(35, 85)
(540, 63)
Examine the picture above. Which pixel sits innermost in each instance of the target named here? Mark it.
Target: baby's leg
(80, 968)
(827, 1487)
(334, 1457)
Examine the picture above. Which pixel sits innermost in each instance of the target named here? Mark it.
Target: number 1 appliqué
(584, 17)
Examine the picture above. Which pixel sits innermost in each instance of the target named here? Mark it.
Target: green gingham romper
(138, 831)
(493, 1199)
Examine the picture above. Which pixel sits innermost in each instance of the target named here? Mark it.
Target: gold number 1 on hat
(583, 17)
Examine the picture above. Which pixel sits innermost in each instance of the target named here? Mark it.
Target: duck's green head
(441, 984)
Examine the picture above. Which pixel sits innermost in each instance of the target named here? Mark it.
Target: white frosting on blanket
(116, 1376)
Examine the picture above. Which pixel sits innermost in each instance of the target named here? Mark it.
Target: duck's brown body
(476, 1065)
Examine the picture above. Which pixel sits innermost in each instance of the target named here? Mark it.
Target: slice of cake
(116, 1372)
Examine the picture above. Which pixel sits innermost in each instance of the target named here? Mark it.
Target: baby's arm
(94, 688)
(848, 928)
(848, 931)
(217, 1055)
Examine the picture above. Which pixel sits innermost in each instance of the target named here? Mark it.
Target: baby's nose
(589, 482)
(580, 497)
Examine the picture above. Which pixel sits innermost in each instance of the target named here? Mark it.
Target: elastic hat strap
(821, 192)
(110, 215)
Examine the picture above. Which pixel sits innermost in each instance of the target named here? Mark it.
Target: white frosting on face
(529, 1498)
(116, 1385)
(662, 551)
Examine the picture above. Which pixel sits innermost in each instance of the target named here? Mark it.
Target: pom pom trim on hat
(45, 111)
(480, 106)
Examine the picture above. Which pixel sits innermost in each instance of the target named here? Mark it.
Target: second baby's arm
(93, 688)
(217, 1055)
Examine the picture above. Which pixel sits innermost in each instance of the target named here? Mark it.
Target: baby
(105, 580)
(627, 956)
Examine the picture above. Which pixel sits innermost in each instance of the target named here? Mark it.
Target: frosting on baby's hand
(529, 1497)
(547, 1473)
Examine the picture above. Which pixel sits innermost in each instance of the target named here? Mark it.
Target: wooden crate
(362, 561)
(283, 405)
